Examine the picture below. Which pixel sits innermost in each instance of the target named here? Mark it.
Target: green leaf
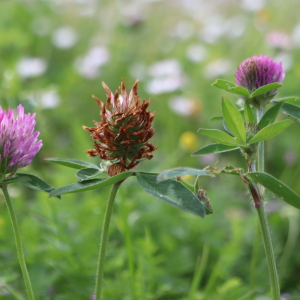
(178, 172)
(234, 120)
(15, 179)
(36, 183)
(291, 100)
(231, 88)
(240, 91)
(214, 148)
(270, 131)
(172, 192)
(89, 185)
(266, 88)
(291, 110)
(196, 184)
(270, 116)
(249, 116)
(276, 187)
(87, 173)
(216, 119)
(220, 137)
(223, 84)
(72, 163)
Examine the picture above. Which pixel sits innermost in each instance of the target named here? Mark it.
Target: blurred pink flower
(279, 39)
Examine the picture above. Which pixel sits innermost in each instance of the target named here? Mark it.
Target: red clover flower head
(18, 141)
(258, 71)
(123, 134)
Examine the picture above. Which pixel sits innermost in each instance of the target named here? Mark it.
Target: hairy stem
(264, 227)
(104, 236)
(18, 242)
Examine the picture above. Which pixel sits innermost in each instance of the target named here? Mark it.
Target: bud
(256, 72)
(18, 142)
(123, 134)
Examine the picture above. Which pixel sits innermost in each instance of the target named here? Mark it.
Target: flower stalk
(18, 242)
(104, 237)
(262, 217)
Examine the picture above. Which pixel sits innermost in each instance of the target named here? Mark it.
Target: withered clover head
(122, 135)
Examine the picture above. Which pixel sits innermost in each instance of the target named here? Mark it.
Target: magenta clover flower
(256, 72)
(18, 141)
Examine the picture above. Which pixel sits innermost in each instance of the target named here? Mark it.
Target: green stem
(254, 261)
(104, 236)
(264, 227)
(18, 242)
(269, 252)
(261, 145)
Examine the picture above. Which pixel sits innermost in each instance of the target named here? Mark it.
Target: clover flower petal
(18, 142)
(256, 72)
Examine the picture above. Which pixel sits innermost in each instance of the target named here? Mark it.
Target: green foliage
(234, 120)
(178, 172)
(276, 187)
(270, 116)
(15, 179)
(214, 148)
(223, 84)
(61, 238)
(239, 90)
(87, 173)
(220, 137)
(249, 116)
(265, 89)
(89, 185)
(291, 110)
(271, 131)
(72, 163)
(172, 192)
(35, 183)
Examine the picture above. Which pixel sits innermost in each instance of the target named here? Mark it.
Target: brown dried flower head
(122, 135)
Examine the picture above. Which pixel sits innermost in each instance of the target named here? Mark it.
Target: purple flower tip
(18, 141)
(258, 71)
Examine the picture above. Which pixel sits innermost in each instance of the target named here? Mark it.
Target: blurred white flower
(196, 53)
(138, 70)
(183, 30)
(253, 5)
(165, 68)
(166, 77)
(208, 159)
(213, 29)
(217, 67)
(31, 67)
(183, 106)
(64, 37)
(290, 157)
(279, 39)
(165, 85)
(296, 35)
(47, 98)
(89, 64)
(235, 26)
(286, 59)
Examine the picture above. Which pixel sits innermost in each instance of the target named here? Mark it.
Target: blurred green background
(54, 56)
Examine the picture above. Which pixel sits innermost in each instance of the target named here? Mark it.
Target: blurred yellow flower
(187, 178)
(189, 141)
(2, 222)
